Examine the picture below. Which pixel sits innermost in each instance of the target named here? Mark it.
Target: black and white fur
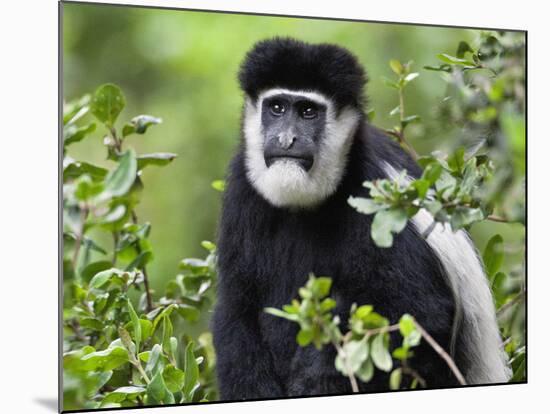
(283, 221)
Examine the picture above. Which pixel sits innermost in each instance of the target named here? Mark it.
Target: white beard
(285, 183)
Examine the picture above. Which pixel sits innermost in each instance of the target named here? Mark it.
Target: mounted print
(259, 207)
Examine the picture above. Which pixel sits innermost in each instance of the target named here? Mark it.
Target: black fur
(292, 64)
(266, 254)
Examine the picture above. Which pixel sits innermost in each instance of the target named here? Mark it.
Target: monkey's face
(296, 146)
(293, 126)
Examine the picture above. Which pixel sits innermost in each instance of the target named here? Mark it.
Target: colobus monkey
(307, 147)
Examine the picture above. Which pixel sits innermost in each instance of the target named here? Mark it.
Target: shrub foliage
(125, 345)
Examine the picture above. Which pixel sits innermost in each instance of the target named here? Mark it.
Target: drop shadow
(49, 403)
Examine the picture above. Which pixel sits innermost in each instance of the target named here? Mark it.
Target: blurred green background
(182, 66)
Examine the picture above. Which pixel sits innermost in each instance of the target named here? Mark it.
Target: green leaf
(363, 311)
(193, 264)
(141, 260)
(380, 354)
(409, 119)
(366, 371)
(103, 277)
(371, 113)
(191, 369)
(321, 286)
(282, 314)
(72, 133)
(374, 320)
(105, 360)
(395, 379)
(497, 281)
(187, 312)
(433, 206)
(385, 223)
(92, 323)
(76, 109)
(411, 76)
(456, 160)
(422, 187)
(441, 68)
(126, 340)
(159, 315)
(136, 325)
(174, 347)
(154, 358)
(463, 48)
(157, 392)
(401, 353)
(218, 185)
(208, 245)
(432, 172)
(93, 268)
(158, 158)
(493, 255)
(390, 83)
(327, 304)
(483, 115)
(173, 378)
(74, 169)
(107, 103)
(167, 330)
(119, 181)
(113, 216)
(139, 124)
(86, 188)
(365, 205)
(453, 60)
(356, 352)
(396, 66)
(464, 216)
(122, 393)
(304, 337)
(395, 110)
(445, 184)
(406, 325)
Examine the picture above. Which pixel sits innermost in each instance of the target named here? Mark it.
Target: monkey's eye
(308, 112)
(277, 108)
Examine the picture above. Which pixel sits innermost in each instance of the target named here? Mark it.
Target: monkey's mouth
(304, 161)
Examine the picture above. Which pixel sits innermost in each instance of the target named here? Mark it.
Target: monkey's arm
(244, 365)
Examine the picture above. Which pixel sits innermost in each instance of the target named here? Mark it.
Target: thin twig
(498, 219)
(404, 142)
(401, 135)
(144, 271)
(115, 242)
(515, 300)
(413, 373)
(383, 329)
(79, 235)
(442, 353)
(349, 372)
(118, 147)
(135, 362)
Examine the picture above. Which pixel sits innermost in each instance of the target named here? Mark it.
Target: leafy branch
(366, 345)
(404, 77)
(450, 189)
(117, 355)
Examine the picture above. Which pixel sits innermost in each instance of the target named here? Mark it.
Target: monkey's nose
(286, 141)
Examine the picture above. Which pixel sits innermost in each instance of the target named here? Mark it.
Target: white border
(29, 231)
